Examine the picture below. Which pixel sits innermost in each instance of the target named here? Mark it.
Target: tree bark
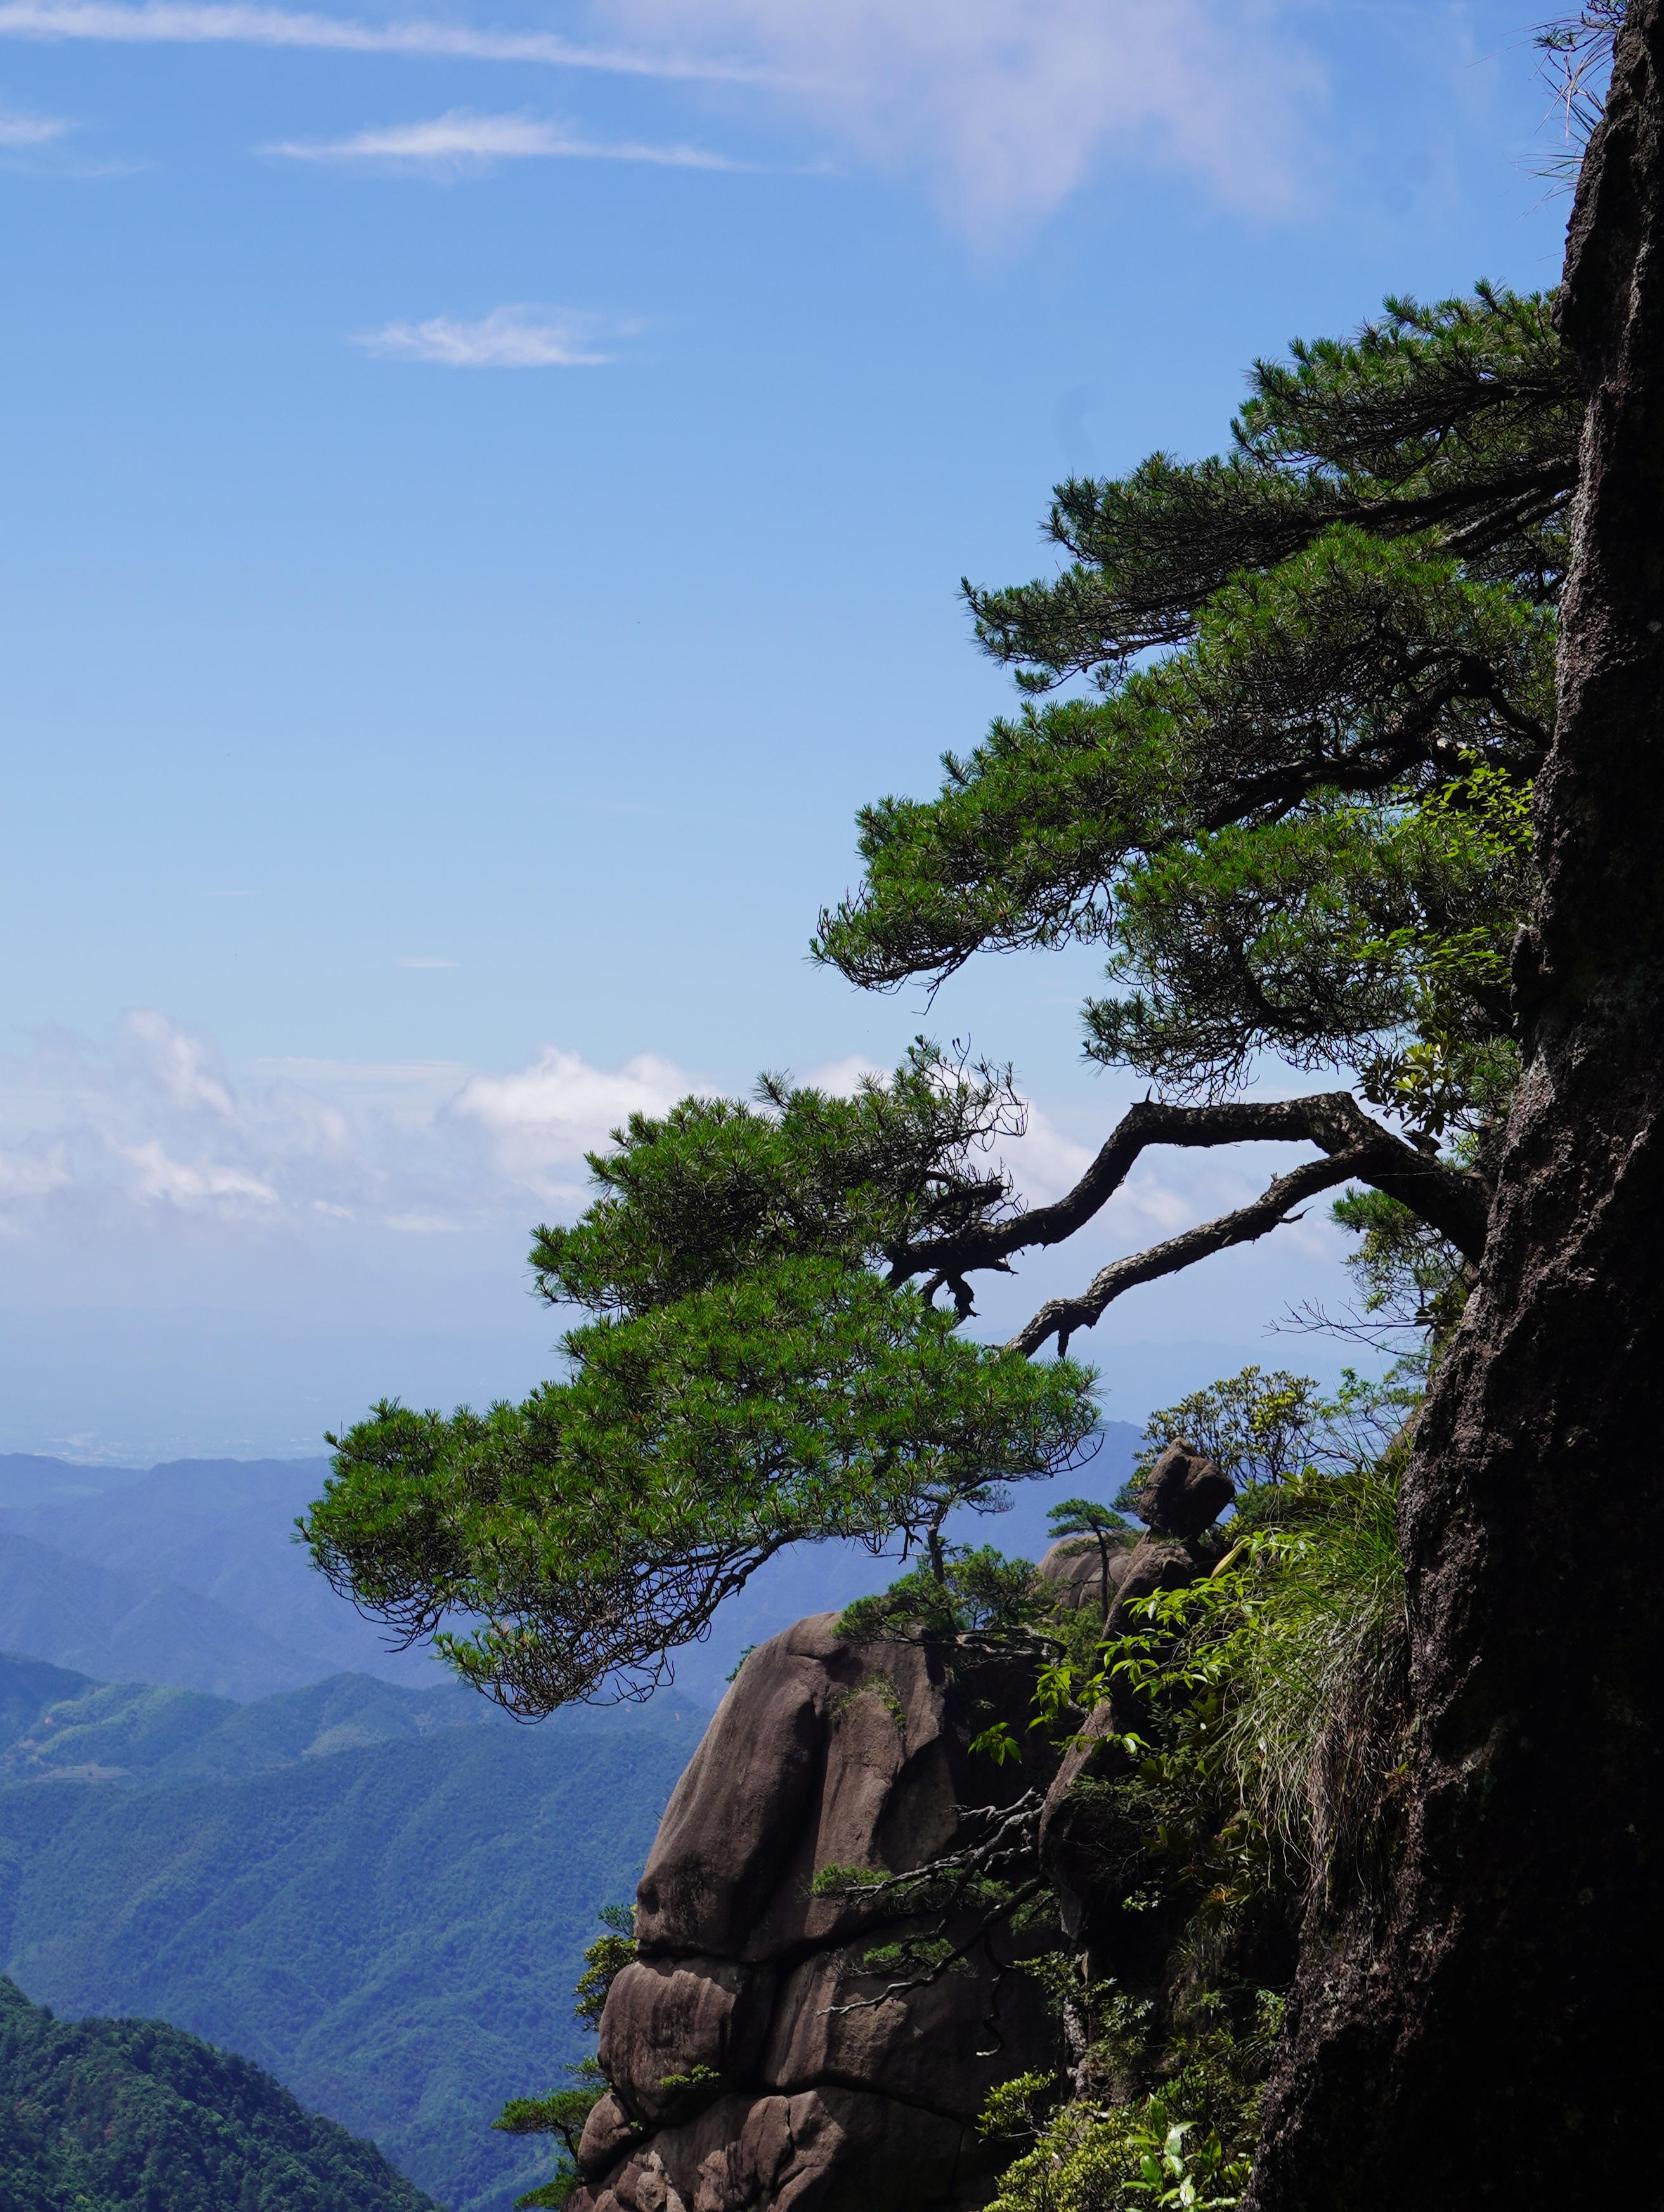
(1485, 2030)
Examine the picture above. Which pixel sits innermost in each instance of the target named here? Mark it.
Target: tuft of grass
(1311, 1725)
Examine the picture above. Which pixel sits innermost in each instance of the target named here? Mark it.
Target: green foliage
(1085, 1516)
(1297, 828)
(1260, 1705)
(980, 1594)
(1101, 1529)
(552, 2195)
(749, 1381)
(1255, 1427)
(914, 1955)
(1257, 1713)
(696, 2077)
(833, 1881)
(562, 2113)
(1577, 55)
(1254, 1726)
(998, 1743)
(1408, 1277)
(102, 2115)
(604, 1961)
(1189, 2143)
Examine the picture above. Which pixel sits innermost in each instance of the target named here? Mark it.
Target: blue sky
(484, 493)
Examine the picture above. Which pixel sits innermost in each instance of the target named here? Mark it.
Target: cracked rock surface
(739, 2082)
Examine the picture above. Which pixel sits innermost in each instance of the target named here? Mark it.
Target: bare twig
(1003, 1910)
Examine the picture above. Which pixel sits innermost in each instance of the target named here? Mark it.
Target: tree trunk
(1486, 2031)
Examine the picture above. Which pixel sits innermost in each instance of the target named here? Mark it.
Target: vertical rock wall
(740, 2083)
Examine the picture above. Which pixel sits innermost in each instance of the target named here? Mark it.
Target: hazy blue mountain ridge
(136, 1626)
(204, 1586)
(223, 1530)
(55, 1723)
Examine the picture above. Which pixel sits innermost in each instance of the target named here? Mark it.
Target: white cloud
(546, 1117)
(22, 1177)
(189, 22)
(843, 1078)
(20, 133)
(184, 1064)
(509, 337)
(153, 1127)
(461, 139)
(162, 1177)
(1008, 109)
(150, 1145)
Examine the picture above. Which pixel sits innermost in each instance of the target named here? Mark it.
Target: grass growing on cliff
(1254, 1716)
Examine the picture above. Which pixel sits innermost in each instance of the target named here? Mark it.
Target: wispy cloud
(155, 1127)
(23, 133)
(202, 22)
(542, 1119)
(509, 337)
(1007, 110)
(462, 140)
(150, 1143)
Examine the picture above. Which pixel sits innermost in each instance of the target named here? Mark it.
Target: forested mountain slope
(99, 2115)
(188, 1574)
(380, 1895)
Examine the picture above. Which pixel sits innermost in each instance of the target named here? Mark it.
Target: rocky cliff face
(761, 2052)
(755, 2059)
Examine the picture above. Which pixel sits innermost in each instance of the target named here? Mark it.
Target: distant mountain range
(188, 1574)
(225, 1803)
(380, 1895)
(185, 1573)
(99, 2115)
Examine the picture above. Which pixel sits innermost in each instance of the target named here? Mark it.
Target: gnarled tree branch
(1454, 1203)
(1061, 1317)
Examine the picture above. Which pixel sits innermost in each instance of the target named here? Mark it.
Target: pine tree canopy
(758, 1372)
(1320, 671)
(1287, 789)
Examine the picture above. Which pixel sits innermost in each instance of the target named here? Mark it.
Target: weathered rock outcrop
(757, 2063)
(742, 2079)
(1075, 1568)
(1182, 1498)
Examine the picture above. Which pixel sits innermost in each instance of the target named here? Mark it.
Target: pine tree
(1283, 714)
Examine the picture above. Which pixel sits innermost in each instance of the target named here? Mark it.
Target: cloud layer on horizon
(152, 1135)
